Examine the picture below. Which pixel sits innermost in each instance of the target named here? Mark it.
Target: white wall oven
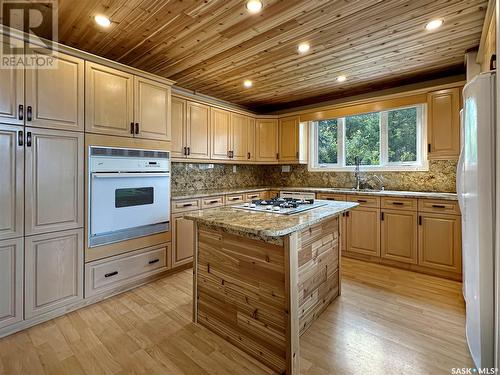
(129, 194)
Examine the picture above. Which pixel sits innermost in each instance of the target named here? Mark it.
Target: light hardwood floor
(387, 321)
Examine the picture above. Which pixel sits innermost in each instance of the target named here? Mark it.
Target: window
(386, 140)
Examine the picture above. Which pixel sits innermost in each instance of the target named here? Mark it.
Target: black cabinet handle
(420, 220)
(248, 155)
(382, 216)
(153, 261)
(438, 206)
(298, 155)
(187, 205)
(20, 112)
(330, 199)
(229, 154)
(234, 198)
(136, 128)
(347, 214)
(361, 201)
(20, 138)
(29, 113)
(213, 202)
(189, 150)
(131, 128)
(277, 155)
(28, 139)
(111, 274)
(428, 147)
(398, 203)
(185, 151)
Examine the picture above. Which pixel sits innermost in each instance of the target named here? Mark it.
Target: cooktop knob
(276, 208)
(246, 205)
(253, 205)
(269, 208)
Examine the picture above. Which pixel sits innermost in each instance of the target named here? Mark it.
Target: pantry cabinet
(54, 180)
(11, 181)
(399, 235)
(55, 97)
(443, 124)
(182, 240)
(53, 271)
(11, 281)
(109, 101)
(11, 93)
(266, 139)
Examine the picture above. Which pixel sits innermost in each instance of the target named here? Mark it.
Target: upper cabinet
(152, 109)
(119, 103)
(241, 137)
(233, 136)
(443, 124)
(251, 139)
(266, 140)
(109, 101)
(11, 95)
(178, 132)
(292, 140)
(221, 134)
(197, 131)
(55, 97)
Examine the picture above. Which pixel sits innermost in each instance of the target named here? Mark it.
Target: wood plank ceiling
(211, 46)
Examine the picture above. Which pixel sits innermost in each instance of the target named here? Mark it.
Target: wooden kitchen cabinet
(11, 181)
(251, 139)
(399, 235)
(182, 240)
(292, 140)
(11, 281)
(363, 231)
(53, 271)
(152, 109)
(109, 100)
(53, 180)
(55, 97)
(443, 124)
(439, 242)
(11, 93)
(239, 133)
(178, 129)
(266, 138)
(221, 134)
(197, 131)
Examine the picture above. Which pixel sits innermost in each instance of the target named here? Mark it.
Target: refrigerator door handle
(460, 172)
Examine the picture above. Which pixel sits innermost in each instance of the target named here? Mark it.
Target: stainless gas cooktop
(283, 206)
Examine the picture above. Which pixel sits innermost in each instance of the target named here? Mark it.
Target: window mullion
(340, 142)
(384, 138)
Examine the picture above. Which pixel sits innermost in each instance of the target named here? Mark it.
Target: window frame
(421, 164)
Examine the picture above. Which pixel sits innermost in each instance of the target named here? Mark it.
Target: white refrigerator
(476, 195)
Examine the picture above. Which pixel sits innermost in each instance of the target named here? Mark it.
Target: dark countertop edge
(381, 193)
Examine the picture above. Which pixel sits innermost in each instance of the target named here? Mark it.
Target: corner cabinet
(443, 124)
(266, 139)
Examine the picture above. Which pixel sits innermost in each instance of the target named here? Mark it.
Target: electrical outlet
(286, 168)
(234, 168)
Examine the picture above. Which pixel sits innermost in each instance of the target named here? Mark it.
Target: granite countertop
(265, 225)
(385, 193)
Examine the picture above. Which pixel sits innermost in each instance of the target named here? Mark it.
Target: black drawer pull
(29, 113)
(189, 151)
(187, 205)
(153, 261)
(213, 202)
(398, 203)
(131, 128)
(111, 274)
(28, 139)
(438, 206)
(382, 216)
(420, 220)
(21, 112)
(234, 198)
(330, 199)
(362, 201)
(248, 155)
(136, 128)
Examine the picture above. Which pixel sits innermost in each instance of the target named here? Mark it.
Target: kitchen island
(261, 279)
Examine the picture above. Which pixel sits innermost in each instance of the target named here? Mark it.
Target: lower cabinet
(182, 240)
(363, 231)
(11, 281)
(399, 235)
(53, 271)
(439, 242)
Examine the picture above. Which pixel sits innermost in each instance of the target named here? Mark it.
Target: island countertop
(263, 224)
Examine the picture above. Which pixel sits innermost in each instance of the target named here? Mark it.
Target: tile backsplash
(191, 177)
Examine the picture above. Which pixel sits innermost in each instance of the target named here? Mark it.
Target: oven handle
(130, 175)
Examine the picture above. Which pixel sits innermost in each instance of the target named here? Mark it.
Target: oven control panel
(128, 160)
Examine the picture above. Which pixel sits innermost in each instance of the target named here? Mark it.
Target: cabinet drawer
(331, 197)
(255, 195)
(212, 202)
(393, 203)
(186, 205)
(365, 200)
(107, 274)
(438, 206)
(234, 198)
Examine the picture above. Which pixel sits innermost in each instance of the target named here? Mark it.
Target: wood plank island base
(261, 279)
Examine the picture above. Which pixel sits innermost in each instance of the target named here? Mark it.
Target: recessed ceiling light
(254, 6)
(102, 20)
(434, 24)
(303, 47)
(341, 78)
(247, 83)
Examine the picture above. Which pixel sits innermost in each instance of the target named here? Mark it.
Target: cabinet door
(54, 181)
(239, 140)
(182, 240)
(443, 128)
(54, 271)
(198, 131)
(11, 181)
(55, 97)
(178, 142)
(152, 109)
(11, 93)
(11, 281)
(251, 139)
(108, 100)
(439, 242)
(266, 140)
(289, 139)
(399, 236)
(363, 231)
(221, 134)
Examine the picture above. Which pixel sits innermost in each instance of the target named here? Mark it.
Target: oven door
(128, 205)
